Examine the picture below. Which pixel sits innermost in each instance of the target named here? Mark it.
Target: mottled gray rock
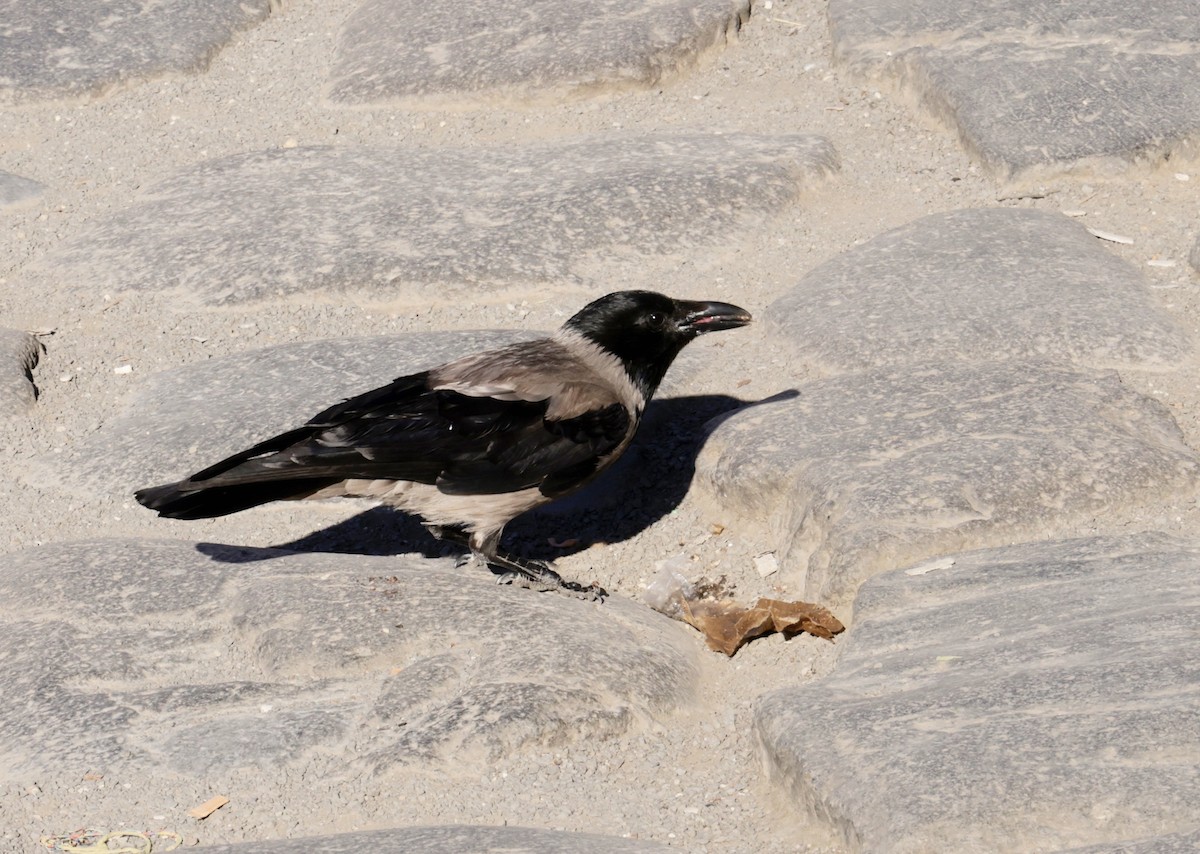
(394, 50)
(1174, 843)
(1031, 698)
(183, 419)
(862, 473)
(978, 285)
(450, 839)
(19, 353)
(202, 659)
(57, 48)
(440, 224)
(1039, 86)
(15, 190)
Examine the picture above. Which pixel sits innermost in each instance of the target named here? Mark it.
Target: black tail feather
(187, 499)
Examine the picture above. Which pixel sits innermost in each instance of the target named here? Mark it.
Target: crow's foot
(538, 575)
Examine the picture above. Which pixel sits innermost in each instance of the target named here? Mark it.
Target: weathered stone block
(862, 473)
(1030, 698)
(441, 224)
(985, 285)
(395, 50)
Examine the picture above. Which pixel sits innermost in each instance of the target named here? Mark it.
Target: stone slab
(987, 284)
(423, 224)
(15, 190)
(63, 49)
(204, 660)
(864, 28)
(1172, 843)
(19, 352)
(395, 51)
(1040, 87)
(1032, 698)
(450, 839)
(1028, 113)
(862, 473)
(183, 419)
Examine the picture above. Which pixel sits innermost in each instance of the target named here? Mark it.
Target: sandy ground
(776, 77)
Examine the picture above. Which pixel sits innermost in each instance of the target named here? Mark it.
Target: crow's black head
(646, 330)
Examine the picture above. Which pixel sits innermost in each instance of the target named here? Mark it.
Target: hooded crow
(472, 444)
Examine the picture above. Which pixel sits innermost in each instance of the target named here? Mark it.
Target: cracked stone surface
(58, 49)
(1031, 698)
(395, 50)
(213, 658)
(19, 352)
(15, 190)
(862, 473)
(453, 839)
(1039, 87)
(431, 224)
(989, 284)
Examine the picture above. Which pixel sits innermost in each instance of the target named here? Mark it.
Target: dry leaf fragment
(208, 807)
(727, 625)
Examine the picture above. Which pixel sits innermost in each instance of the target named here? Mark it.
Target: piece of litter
(208, 807)
(943, 563)
(1074, 212)
(766, 564)
(123, 369)
(1110, 236)
(726, 624)
(1161, 262)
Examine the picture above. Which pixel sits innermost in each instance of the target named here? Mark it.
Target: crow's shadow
(648, 482)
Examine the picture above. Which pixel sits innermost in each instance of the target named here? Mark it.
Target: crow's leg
(535, 574)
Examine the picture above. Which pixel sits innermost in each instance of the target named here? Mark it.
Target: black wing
(407, 431)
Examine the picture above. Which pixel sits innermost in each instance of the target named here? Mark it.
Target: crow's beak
(711, 316)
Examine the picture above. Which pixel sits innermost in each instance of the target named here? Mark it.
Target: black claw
(538, 575)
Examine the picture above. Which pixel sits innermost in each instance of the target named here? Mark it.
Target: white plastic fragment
(1110, 236)
(669, 585)
(1161, 262)
(1074, 212)
(123, 369)
(930, 566)
(766, 564)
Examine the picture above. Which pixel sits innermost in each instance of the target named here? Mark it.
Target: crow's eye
(656, 320)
